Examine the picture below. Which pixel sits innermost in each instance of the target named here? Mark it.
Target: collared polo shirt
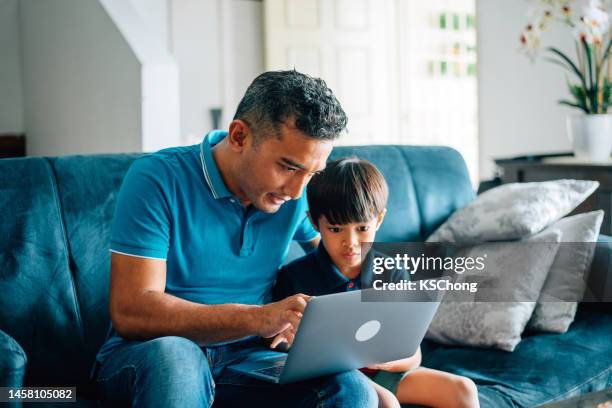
(315, 274)
(173, 205)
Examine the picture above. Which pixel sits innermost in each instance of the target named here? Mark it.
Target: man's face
(277, 170)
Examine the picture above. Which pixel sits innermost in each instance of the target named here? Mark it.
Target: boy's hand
(281, 319)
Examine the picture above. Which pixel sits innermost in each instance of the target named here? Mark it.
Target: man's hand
(281, 319)
(286, 337)
(141, 309)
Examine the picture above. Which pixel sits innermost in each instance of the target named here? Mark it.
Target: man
(198, 236)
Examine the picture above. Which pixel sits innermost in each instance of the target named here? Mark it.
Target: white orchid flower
(530, 40)
(597, 18)
(592, 23)
(589, 22)
(582, 33)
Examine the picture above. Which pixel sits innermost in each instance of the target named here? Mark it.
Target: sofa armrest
(598, 294)
(13, 362)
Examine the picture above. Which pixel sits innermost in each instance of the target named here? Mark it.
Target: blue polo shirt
(315, 274)
(173, 205)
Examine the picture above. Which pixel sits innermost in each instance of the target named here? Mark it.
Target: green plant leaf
(560, 63)
(579, 95)
(606, 54)
(606, 84)
(569, 62)
(573, 105)
(592, 89)
(607, 92)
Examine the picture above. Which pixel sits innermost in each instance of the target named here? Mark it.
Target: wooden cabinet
(564, 166)
(12, 146)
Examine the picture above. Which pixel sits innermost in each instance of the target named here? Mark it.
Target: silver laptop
(340, 332)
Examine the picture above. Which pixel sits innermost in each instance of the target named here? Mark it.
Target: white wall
(81, 97)
(159, 74)
(11, 102)
(81, 80)
(244, 34)
(518, 110)
(219, 48)
(155, 15)
(90, 84)
(195, 43)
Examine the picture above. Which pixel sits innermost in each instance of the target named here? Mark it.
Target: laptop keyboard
(274, 371)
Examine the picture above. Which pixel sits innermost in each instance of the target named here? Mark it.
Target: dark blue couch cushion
(542, 368)
(426, 185)
(38, 302)
(88, 187)
(12, 362)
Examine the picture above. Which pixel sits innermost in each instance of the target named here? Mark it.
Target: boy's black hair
(276, 96)
(349, 190)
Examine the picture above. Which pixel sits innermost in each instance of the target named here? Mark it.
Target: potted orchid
(589, 71)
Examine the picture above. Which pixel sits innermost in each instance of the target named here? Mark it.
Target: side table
(564, 166)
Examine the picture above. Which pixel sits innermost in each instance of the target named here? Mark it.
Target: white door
(404, 70)
(351, 45)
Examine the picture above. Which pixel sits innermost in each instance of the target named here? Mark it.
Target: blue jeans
(176, 372)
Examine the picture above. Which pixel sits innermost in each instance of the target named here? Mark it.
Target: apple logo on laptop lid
(367, 330)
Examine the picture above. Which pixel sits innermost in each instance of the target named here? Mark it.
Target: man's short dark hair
(349, 190)
(275, 96)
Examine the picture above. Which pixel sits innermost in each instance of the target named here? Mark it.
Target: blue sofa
(54, 277)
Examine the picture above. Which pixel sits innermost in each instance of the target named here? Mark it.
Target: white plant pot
(591, 136)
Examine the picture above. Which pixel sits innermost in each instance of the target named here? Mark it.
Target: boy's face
(343, 242)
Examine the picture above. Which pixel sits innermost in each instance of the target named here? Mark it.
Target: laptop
(340, 332)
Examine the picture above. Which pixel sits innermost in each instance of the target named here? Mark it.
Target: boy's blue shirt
(315, 274)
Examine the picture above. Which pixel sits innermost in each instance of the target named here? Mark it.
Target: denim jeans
(176, 372)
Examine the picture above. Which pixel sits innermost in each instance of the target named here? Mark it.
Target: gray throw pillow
(513, 211)
(566, 280)
(514, 273)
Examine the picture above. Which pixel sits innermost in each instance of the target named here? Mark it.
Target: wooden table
(12, 145)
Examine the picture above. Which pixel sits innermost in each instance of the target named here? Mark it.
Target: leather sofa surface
(55, 262)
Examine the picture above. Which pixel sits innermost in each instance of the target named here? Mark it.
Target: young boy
(347, 205)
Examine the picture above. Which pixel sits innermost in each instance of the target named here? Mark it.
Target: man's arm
(309, 246)
(140, 309)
